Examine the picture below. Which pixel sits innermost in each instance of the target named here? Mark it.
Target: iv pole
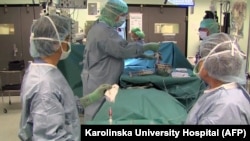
(248, 52)
(223, 2)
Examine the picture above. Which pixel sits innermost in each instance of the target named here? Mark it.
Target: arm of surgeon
(95, 95)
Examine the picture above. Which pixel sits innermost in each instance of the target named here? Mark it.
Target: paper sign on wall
(135, 20)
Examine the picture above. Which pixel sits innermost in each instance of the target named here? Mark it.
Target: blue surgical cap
(44, 35)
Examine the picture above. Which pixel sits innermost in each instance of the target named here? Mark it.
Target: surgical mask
(121, 21)
(195, 70)
(65, 54)
(198, 67)
(203, 34)
(34, 51)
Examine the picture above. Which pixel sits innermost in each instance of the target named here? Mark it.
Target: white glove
(111, 93)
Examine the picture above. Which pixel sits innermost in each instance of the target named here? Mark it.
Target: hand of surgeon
(151, 46)
(95, 95)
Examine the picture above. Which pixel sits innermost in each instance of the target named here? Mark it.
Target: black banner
(221, 132)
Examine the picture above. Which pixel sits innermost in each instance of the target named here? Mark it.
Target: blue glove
(97, 94)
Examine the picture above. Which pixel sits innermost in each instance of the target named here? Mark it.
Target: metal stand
(247, 62)
(6, 73)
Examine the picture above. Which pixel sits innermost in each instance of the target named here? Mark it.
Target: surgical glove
(111, 93)
(151, 46)
(95, 95)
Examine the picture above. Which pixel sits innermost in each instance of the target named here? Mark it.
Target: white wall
(81, 16)
(193, 24)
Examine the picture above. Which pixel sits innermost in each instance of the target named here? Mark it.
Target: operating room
(160, 89)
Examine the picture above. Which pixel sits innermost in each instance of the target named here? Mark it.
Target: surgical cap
(137, 31)
(223, 58)
(112, 9)
(211, 25)
(44, 36)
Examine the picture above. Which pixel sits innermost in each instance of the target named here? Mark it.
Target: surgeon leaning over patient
(49, 108)
(106, 50)
(225, 101)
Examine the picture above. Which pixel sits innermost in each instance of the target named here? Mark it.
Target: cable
(166, 1)
(21, 36)
(34, 12)
(226, 6)
(247, 60)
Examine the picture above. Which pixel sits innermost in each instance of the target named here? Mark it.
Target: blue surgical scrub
(227, 104)
(49, 110)
(103, 61)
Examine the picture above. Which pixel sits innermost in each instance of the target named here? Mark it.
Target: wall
(194, 19)
(193, 24)
(21, 17)
(201, 6)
